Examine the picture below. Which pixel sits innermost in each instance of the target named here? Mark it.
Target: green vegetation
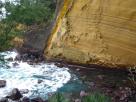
(96, 97)
(30, 12)
(58, 97)
(25, 13)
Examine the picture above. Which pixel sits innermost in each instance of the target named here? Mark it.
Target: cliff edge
(95, 32)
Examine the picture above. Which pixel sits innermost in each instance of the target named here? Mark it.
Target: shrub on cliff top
(24, 12)
(30, 11)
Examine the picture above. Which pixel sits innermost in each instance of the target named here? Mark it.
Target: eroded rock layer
(95, 32)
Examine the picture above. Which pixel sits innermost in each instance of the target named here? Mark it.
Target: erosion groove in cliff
(95, 32)
(63, 10)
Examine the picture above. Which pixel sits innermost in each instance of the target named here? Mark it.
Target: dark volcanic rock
(30, 55)
(14, 94)
(10, 59)
(3, 99)
(39, 81)
(38, 99)
(15, 64)
(25, 99)
(60, 65)
(2, 83)
(18, 58)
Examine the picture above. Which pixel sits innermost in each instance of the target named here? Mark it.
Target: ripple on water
(25, 76)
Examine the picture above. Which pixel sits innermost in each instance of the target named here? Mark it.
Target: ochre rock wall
(95, 32)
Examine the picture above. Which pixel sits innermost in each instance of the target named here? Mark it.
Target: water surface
(21, 75)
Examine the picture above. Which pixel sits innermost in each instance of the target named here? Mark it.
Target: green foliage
(58, 97)
(25, 12)
(96, 97)
(5, 36)
(30, 11)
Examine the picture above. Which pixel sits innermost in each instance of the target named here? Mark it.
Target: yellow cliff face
(95, 32)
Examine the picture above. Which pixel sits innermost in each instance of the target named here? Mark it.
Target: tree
(30, 11)
(25, 12)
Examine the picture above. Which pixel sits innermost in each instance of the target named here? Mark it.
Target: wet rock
(10, 59)
(101, 77)
(24, 57)
(77, 69)
(30, 62)
(40, 81)
(83, 93)
(111, 85)
(2, 83)
(3, 99)
(122, 94)
(25, 99)
(38, 99)
(14, 94)
(29, 54)
(32, 57)
(92, 84)
(60, 65)
(24, 91)
(18, 58)
(15, 64)
(83, 77)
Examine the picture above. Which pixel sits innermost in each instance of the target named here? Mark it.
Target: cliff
(36, 35)
(95, 32)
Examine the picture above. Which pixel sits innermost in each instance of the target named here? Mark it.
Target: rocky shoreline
(15, 95)
(118, 93)
(123, 92)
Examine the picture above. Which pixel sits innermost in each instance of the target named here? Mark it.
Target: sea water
(22, 75)
(25, 76)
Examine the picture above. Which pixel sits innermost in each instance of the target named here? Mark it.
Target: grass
(96, 97)
(58, 97)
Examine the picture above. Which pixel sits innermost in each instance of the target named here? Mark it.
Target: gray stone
(14, 94)
(2, 83)
(25, 99)
(38, 99)
(3, 99)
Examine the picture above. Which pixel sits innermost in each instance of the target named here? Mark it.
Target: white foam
(25, 76)
(9, 54)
